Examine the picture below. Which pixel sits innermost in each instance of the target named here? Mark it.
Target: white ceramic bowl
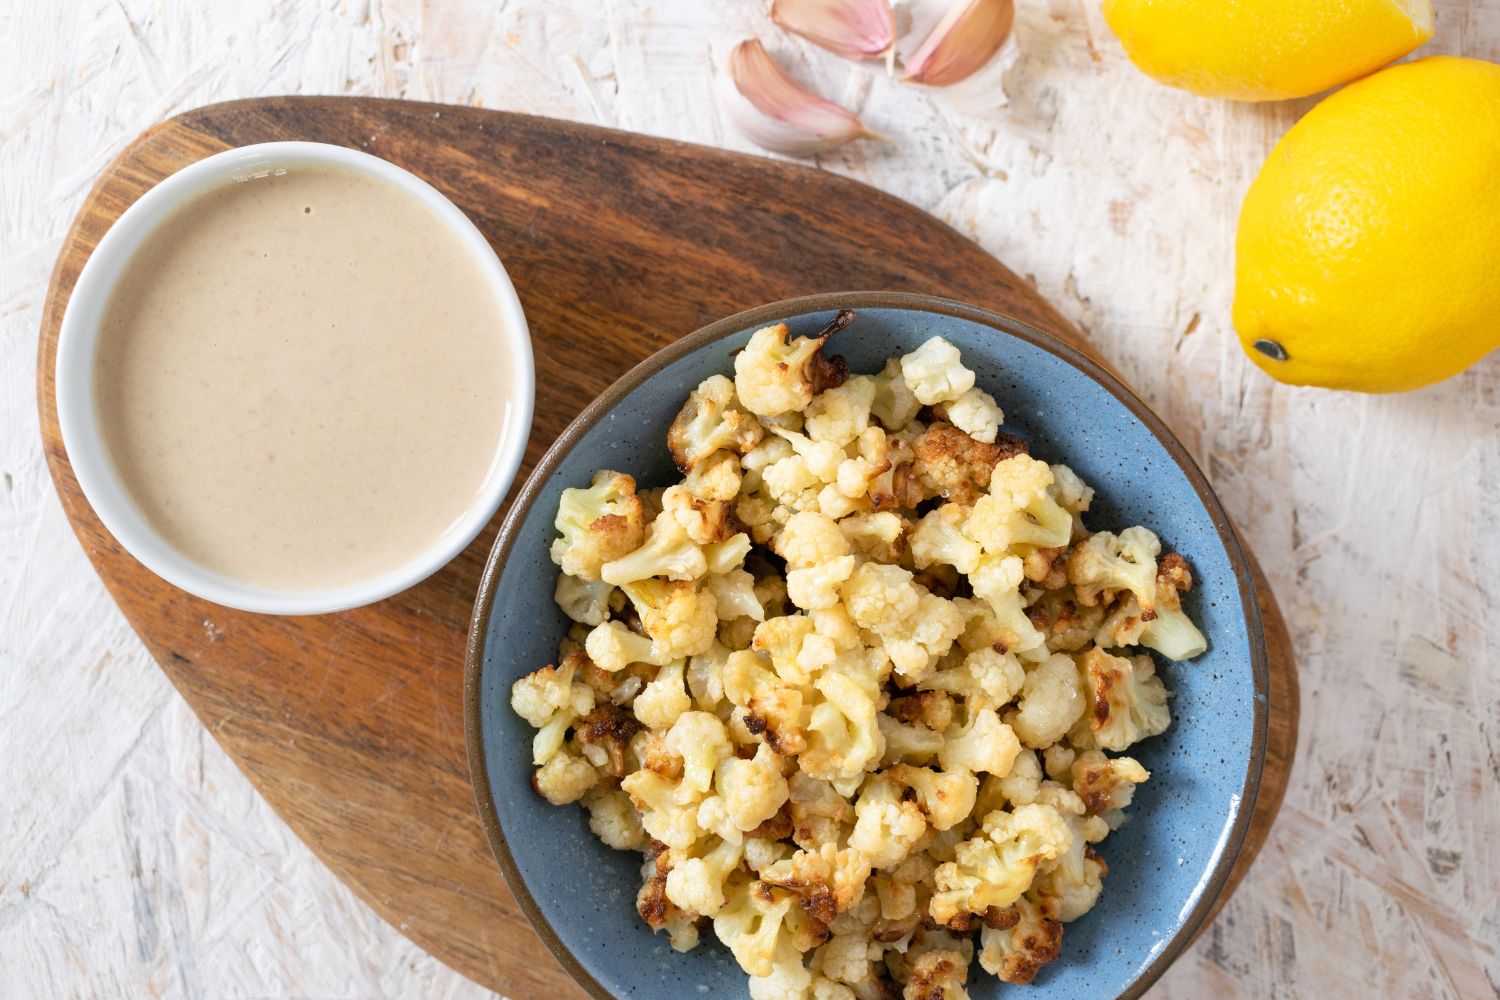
(75, 397)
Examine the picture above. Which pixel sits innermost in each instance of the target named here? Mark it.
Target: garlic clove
(965, 40)
(777, 114)
(857, 29)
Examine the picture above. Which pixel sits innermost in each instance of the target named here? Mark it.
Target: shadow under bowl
(1167, 864)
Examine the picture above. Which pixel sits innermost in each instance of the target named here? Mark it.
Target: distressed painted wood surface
(616, 243)
(135, 859)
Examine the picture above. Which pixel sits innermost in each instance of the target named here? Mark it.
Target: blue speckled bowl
(1167, 864)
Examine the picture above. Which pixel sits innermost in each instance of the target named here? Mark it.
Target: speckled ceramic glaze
(1167, 864)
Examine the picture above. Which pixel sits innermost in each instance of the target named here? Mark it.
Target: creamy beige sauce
(302, 379)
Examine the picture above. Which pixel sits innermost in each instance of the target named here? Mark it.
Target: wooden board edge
(1283, 710)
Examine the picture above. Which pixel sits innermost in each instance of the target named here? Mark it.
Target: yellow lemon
(1368, 253)
(1266, 50)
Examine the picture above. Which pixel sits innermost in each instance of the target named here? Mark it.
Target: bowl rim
(825, 302)
(78, 336)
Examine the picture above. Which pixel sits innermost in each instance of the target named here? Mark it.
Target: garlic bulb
(858, 29)
(777, 114)
(965, 40)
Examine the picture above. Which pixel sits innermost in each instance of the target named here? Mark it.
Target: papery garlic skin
(965, 40)
(776, 113)
(857, 29)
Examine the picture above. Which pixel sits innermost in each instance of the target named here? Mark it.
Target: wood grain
(351, 724)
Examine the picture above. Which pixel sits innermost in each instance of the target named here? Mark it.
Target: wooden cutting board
(351, 725)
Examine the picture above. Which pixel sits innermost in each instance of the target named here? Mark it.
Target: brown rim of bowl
(774, 313)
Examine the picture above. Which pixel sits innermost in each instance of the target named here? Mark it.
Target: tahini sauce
(301, 379)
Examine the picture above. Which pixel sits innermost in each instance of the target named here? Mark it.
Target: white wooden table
(136, 860)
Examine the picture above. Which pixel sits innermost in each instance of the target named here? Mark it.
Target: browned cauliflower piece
(680, 619)
(1128, 702)
(710, 420)
(827, 880)
(951, 464)
(1172, 633)
(937, 975)
(598, 524)
(772, 376)
(1016, 954)
(1106, 784)
(705, 521)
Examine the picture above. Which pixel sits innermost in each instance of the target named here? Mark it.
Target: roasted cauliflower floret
(748, 792)
(598, 524)
(937, 975)
(935, 373)
(1171, 633)
(881, 536)
(792, 483)
(1105, 784)
(696, 884)
(907, 744)
(951, 464)
(665, 699)
(772, 376)
(1022, 785)
(669, 809)
(1070, 624)
(710, 420)
(817, 587)
(995, 870)
(706, 522)
(817, 811)
(789, 979)
(881, 598)
(1052, 699)
(1070, 492)
(850, 958)
(1076, 878)
(659, 912)
(858, 475)
(985, 679)
(751, 923)
(822, 458)
(716, 477)
(563, 701)
(840, 415)
(542, 693)
(1104, 564)
(895, 405)
(564, 778)
(1128, 702)
(772, 706)
(886, 828)
(727, 556)
(809, 539)
(997, 581)
(976, 414)
(701, 741)
(734, 595)
(582, 600)
(940, 538)
(614, 820)
(705, 677)
(843, 738)
(782, 640)
(1019, 515)
(827, 880)
(680, 619)
(1017, 953)
(668, 552)
(983, 744)
(945, 797)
